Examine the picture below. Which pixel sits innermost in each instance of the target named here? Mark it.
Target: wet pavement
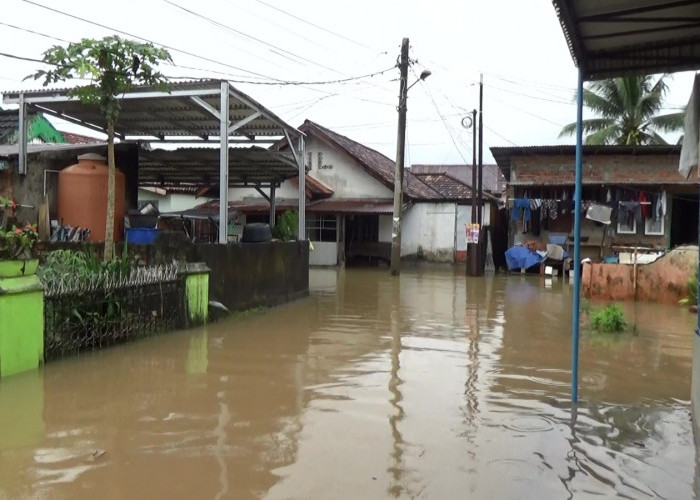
(428, 386)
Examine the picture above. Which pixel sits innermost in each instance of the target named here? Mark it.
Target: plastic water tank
(82, 197)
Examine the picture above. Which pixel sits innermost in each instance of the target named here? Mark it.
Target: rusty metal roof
(357, 206)
(188, 110)
(314, 188)
(615, 37)
(247, 166)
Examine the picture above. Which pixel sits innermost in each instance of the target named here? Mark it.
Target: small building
(349, 190)
(633, 198)
(39, 129)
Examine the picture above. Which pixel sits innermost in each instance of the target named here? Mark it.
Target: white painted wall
(428, 229)
(325, 253)
(344, 177)
(385, 228)
(172, 202)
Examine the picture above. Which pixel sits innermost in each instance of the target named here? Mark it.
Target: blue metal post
(577, 238)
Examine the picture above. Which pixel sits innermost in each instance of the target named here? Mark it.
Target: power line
(34, 32)
(149, 41)
(234, 30)
(314, 25)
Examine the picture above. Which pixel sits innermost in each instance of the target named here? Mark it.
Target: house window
(627, 226)
(322, 227)
(654, 227)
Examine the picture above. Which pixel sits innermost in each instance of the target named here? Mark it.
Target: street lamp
(400, 150)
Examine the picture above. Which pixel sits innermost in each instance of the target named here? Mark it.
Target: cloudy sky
(517, 45)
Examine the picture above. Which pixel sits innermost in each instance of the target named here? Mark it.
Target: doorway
(684, 220)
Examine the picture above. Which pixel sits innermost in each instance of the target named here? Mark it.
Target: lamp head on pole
(423, 75)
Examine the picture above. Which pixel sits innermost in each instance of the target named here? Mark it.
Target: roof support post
(272, 206)
(301, 154)
(577, 237)
(22, 139)
(223, 164)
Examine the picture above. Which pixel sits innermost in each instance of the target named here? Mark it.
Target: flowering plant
(18, 242)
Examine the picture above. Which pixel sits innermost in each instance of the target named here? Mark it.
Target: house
(39, 129)
(493, 182)
(349, 190)
(633, 197)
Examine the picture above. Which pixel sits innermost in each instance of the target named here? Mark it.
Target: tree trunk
(109, 225)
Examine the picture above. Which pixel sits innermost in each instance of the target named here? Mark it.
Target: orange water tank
(82, 197)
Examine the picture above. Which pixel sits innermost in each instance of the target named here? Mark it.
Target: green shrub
(610, 319)
(287, 226)
(692, 297)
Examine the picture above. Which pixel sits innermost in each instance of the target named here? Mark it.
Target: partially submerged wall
(665, 280)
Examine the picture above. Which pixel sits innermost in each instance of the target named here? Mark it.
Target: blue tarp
(520, 257)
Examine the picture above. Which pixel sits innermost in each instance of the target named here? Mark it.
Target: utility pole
(398, 173)
(481, 167)
(473, 248)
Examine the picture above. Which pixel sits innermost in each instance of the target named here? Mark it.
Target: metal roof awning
(188, 112)
(247, 167)
(615, 37)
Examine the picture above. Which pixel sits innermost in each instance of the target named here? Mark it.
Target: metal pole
(301, 230)
(398, 173)
(577, 238)
(473, 248)
(272, 206)
(22, 167)
(223, 164)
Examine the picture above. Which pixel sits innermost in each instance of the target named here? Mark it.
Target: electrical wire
(246, 35)
(34, 32)
(181, 51)
(314, 25)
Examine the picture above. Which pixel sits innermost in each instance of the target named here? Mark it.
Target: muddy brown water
(428, 386)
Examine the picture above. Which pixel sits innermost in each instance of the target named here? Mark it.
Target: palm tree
(627, 110)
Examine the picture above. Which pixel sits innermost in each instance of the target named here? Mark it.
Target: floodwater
(428, 386)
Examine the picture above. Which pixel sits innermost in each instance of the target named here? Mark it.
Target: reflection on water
(432, 386)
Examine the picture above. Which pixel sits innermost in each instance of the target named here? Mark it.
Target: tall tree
(627, 111)
(113, 66)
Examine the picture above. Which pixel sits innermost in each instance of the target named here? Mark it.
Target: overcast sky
(529, 76)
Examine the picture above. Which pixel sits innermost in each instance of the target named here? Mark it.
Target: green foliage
(626, 110)
(287, 226)
(692, 297)
(610, 319)
(83, 266)
(18, 242)
(113, 65)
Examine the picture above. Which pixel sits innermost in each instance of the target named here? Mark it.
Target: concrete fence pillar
(196, 276)
(21, 324)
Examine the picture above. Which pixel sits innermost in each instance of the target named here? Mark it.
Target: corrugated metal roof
(161, 115)
(611, 38)
(201, 166)
(10, 150)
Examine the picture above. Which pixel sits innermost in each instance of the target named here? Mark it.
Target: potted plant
(17, 250)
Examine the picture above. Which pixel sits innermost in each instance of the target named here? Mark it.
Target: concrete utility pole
(473, 248)
(398, 173)
(481, 170)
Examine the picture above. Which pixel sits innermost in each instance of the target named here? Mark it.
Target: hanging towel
(689, 149)
(599, 213)
(646, 209)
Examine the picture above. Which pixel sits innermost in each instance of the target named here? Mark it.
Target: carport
(208, 112)
(616, 38)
